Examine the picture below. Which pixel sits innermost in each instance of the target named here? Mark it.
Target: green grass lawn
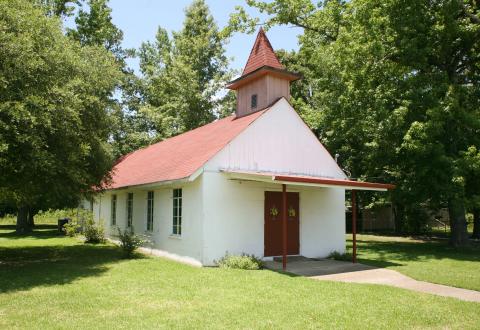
(47, 281)
(431, 260)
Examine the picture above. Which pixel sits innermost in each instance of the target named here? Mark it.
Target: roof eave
(261, 71)
(346, 184)
(307, 181)
(192, 177)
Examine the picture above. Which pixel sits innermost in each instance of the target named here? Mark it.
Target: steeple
(262, 54)
(264, 79)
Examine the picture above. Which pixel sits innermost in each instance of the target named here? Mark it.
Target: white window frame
(129, 210)
(177, 196)
(113, 209)
(150, 208)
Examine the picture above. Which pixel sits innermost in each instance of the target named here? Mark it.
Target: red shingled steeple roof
(262, 54)
(262, 61)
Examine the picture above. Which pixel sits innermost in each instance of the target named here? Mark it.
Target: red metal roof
(180, 156)
(262, 54)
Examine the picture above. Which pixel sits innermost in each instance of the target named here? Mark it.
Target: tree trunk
(22, 220)
(31, 215)
(398, 216)
(476, 223)
(458, 222)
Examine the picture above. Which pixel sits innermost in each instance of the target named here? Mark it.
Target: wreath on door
(291, 212)
(274, 212)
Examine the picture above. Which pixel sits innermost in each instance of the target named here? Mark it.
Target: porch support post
(284, 226)
(354, 226)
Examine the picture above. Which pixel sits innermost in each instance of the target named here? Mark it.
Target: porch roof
(301, 180)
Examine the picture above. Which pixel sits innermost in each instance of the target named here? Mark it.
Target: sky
(139, 20)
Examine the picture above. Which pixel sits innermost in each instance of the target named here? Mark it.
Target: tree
(95, 28)
(54, 125)
(395, 88)
(184, 75)
(58, 8)
(471, 164)
(130, 127)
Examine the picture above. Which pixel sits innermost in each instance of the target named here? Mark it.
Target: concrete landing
(341, 271)
(315, 267)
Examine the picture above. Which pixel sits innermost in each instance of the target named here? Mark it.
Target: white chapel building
(235, 184)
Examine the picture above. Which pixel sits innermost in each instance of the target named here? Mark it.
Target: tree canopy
(94, 27)
(184, 74)
(393, 87)
(54, 96)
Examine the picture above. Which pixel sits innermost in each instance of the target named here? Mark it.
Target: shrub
(93, 232)
(71, 229)
(51, 216)
(129, 241)
(243, 261)
(8, 219)
(335, 255)
(78, 215)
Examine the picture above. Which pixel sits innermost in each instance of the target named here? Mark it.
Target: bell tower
(264, 79)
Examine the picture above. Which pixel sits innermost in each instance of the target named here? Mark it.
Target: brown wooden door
(273, 223)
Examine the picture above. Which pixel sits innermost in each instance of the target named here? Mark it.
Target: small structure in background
(378, 219)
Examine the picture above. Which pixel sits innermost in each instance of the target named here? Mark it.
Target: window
(177, 212)
(253, 103)
(150, 211)
(113, 216)
(129, 209)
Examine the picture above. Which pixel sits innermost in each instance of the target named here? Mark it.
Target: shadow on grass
(25, 267)
(347, 257)
(39, 232)
(393, 253)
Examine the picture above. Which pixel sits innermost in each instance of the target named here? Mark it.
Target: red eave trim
(333, 182)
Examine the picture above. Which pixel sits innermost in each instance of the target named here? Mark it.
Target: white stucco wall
(234, 217)
(322, 221)
(161, 237)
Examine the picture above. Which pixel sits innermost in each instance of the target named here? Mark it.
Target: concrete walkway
(332, 270)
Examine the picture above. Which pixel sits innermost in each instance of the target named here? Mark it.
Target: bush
(335, 255)
(243, 261)
(52, 216)
(129, 241)
(78, 215)
(71, 229)
(94, 233)
(8, 219)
